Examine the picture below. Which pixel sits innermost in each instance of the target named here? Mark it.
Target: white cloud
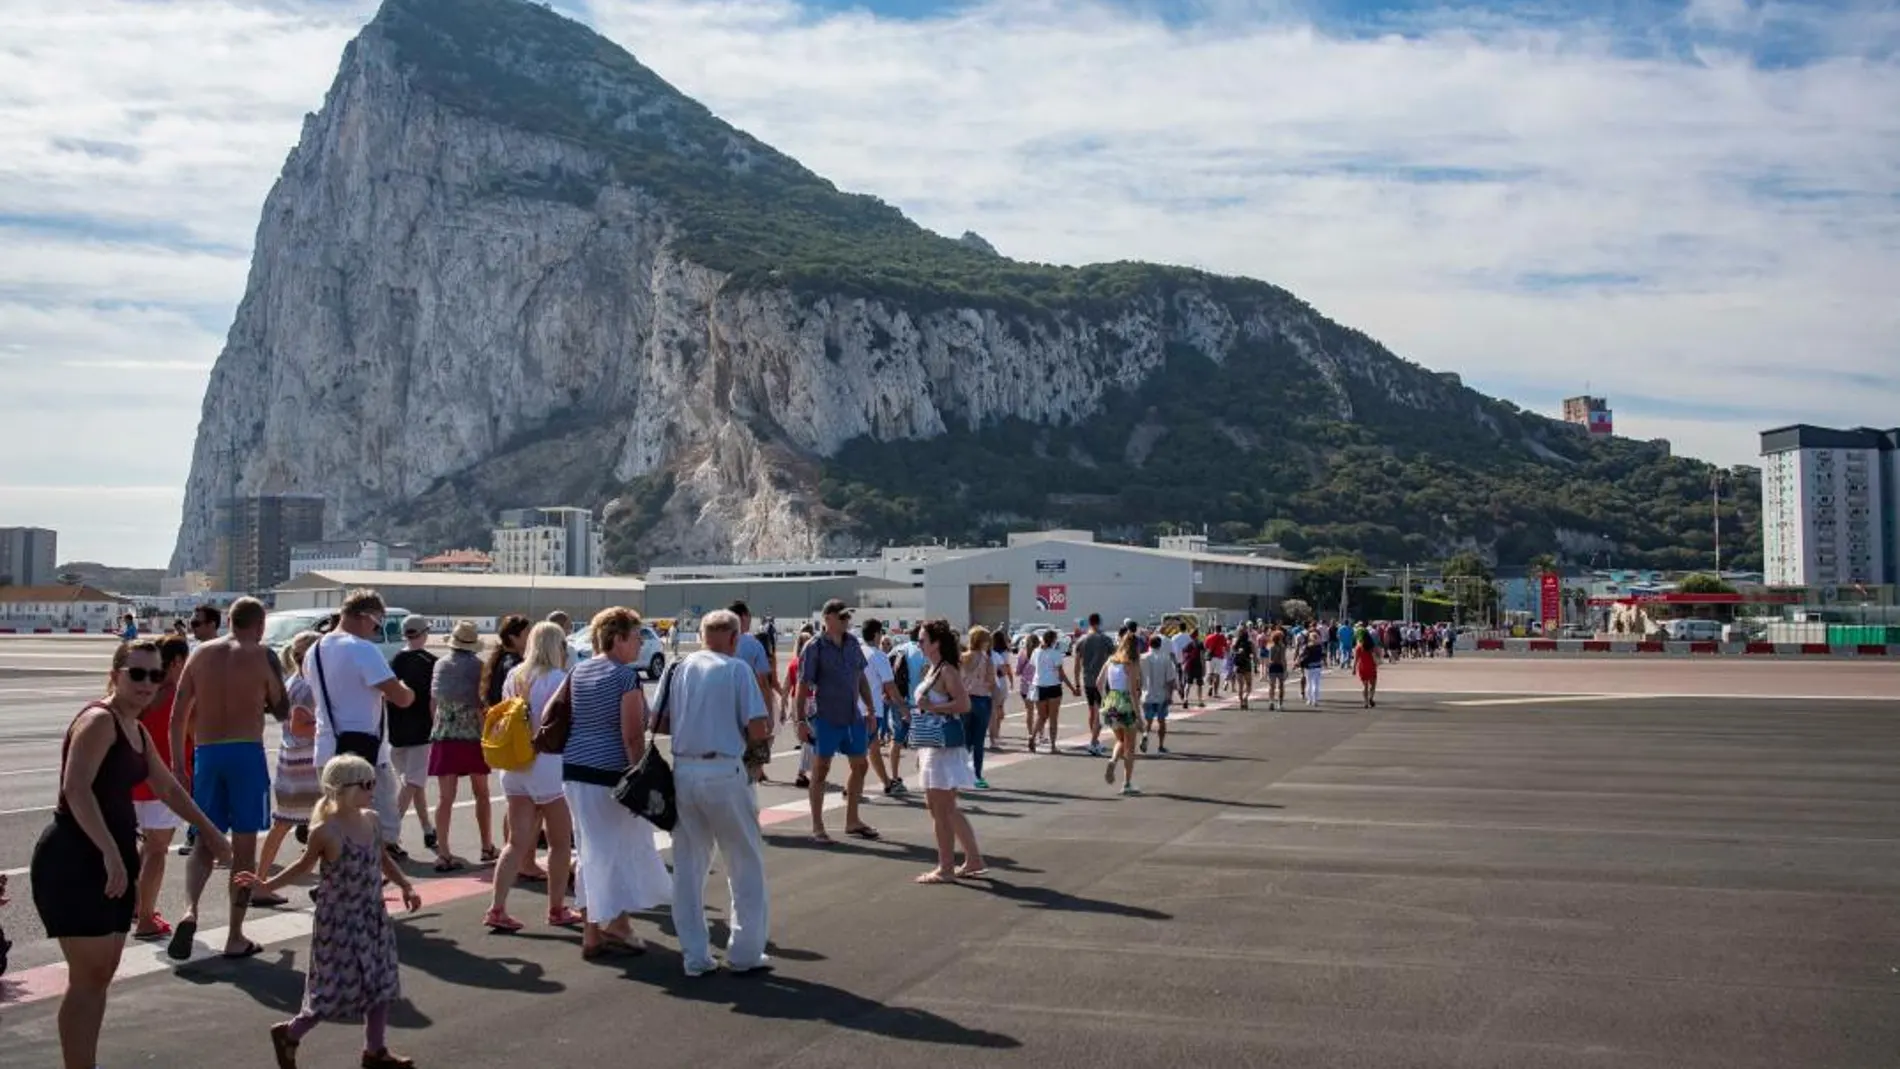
(1653, 209)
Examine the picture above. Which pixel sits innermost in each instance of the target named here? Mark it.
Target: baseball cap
(836, 607)
(415, 625)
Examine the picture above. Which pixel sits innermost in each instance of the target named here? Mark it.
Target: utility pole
(1715, 486)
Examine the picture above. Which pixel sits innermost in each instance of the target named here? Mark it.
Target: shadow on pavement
(890, 850)
(1034, 897)
(776, 995)
(1228, 803)
(278, 986)
(443, 958)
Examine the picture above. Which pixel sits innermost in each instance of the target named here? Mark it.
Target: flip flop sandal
(823, 839)
(251, 950)
(284, 1046)
(179, 948)
(934, 877)
(567, 918)
(490, 854)
(865, 832)
(382, 1059)
(537, 876)
(450, 864)
(974, 874)
(501, 923)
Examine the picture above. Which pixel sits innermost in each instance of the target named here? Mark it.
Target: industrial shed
(454, 594)
(787, 598)
(1057, 580)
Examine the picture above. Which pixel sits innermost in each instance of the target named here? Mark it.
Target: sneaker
(982, 784)
(701, 968)
(898, 788)
(428, 839)
(803, 781)
(1144, 742)
(1129, 788)
(1108, 772)
(1161, 749)
(890, 789)
(1032, 744)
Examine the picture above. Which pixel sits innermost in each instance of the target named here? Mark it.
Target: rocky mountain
(508, 265)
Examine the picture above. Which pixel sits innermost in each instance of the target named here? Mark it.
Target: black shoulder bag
(364, 744)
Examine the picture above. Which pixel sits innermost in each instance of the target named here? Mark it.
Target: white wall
(1115, 582)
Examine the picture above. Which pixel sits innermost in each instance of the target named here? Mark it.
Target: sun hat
(465, 637)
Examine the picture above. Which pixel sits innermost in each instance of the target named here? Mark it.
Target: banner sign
(1552, 602)
(1052, 597)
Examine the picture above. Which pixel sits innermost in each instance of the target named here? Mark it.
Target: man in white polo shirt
(716, 710)
(352, 682)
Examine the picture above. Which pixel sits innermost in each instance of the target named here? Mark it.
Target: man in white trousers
(715, 709)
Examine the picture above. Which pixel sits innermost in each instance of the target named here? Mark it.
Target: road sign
(1052, 597)
(1551, 587)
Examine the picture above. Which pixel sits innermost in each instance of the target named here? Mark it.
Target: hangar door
(989, 603)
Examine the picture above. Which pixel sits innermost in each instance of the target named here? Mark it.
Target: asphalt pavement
(1457, 878)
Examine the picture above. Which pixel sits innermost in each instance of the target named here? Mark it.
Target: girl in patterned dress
(353, 969)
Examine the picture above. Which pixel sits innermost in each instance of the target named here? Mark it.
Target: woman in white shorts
(534, 793)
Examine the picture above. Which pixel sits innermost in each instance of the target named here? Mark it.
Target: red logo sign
(1052, 597)
(1552, 597)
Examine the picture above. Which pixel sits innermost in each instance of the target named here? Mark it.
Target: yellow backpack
(507, 738)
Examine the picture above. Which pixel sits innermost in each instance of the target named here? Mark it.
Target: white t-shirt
(877, 672)
(351, 670)
(711, 699)
(1048, 663)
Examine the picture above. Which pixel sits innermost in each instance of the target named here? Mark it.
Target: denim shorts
(893, 724)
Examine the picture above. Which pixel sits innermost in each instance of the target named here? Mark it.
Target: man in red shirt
(1216, 644)
(156, 820)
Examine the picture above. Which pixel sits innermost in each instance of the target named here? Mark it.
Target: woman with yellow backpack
(531, 781)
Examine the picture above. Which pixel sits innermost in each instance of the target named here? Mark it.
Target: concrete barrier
(1548, 647)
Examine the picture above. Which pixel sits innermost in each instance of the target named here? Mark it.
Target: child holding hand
(353, 968)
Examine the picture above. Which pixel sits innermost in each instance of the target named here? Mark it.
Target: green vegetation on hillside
(1393, 486)
(741, 206)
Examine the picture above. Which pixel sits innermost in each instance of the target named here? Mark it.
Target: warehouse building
(453, 594)
(1055, 577)
(787, 598)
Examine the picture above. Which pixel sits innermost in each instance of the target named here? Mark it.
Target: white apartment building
(1830, 506)
(549, 541)
(349, 555)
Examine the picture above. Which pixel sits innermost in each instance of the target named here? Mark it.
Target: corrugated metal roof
(320, 580)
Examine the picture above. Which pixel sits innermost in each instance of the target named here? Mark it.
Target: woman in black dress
(86, 864)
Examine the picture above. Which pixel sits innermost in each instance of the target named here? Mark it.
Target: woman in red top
(1365, 662)
(805, 753)
(156, 820)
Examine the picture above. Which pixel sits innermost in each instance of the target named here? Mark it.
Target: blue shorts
(230, 781)
(1154, 710)
(893, 724)
(831, 740)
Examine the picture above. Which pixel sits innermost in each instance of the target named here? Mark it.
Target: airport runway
(1567, 878)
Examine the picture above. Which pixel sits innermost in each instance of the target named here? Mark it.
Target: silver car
(652, 658)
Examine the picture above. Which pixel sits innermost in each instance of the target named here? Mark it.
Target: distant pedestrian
(1159, 677)
(979, 679)
(297, 786)
(1312, 660)
(1120, 684)
(1366, 665)
(716, 711)
(409, 727)
(353, 970)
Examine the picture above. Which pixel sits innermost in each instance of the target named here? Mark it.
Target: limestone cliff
(506, 265)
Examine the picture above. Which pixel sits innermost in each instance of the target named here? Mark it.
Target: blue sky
(1692, 208)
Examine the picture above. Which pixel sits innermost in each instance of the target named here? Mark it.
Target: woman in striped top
(623, 873)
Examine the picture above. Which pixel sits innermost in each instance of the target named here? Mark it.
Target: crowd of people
(178, 740)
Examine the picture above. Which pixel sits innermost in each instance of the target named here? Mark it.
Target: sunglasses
(366, 784)
(145, 675)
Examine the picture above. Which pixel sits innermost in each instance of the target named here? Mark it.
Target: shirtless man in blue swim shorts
(228, 685)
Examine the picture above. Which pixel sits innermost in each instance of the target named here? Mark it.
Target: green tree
(1704, 583)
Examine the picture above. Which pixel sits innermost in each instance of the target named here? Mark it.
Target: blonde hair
(976, 659)
(341, 771)
(546, 651)
(608, 625)
(300, 644)
(1126, 651)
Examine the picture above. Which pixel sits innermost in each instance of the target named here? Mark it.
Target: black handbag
(364, 744)
(647, 790)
